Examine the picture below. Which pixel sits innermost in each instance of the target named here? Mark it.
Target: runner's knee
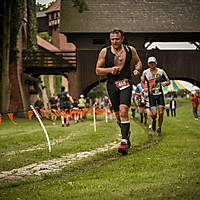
(123, 112)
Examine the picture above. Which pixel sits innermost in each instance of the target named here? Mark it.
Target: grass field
(86, 165)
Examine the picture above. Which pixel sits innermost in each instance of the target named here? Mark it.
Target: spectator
(38, 105)
(167, 107)
(82, 105)
(81, 102)
(194, 100)
(173, 107)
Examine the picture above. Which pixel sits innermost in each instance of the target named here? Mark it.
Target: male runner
(64, 103)
(52, 102)
(156, 78)
(140, 102)
(115, 61)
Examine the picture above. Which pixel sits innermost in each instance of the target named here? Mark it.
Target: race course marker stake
(95, 129)
(45, 131)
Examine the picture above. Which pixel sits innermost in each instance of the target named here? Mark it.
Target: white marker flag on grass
(45, 131)
(106, 115)
(94, 117)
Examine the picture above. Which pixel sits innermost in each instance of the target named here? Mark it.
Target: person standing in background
(173, 107)
(82, 105)
(195, 105)
(167, 107)
(81, 102)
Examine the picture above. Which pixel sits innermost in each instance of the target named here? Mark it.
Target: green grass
(155, 168)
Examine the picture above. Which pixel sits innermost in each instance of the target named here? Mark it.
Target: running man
(145, 95)
(156, 78)
(64, 103)
(140, 102)
(52, 103)
(115, 61)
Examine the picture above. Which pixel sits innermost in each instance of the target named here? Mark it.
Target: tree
(5, 86)
(98, 92)
(8, 38)
(43, 7)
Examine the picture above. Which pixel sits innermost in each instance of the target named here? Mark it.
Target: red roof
(54, 7)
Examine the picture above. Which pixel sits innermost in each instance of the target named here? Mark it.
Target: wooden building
(142, 21)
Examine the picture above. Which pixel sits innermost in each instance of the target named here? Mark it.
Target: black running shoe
(159, 131)
(154, 125)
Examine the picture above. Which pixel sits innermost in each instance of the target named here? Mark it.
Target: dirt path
(53, 165)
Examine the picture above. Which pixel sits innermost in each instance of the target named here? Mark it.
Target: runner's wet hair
(117, 30)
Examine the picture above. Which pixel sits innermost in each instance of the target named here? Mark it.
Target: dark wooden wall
(178, 64)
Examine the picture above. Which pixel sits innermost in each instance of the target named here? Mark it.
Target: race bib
(156, 91)
(122, 84)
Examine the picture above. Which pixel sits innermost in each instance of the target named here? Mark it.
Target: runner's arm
(71, 99)
(137, 62)
(167, 82)
(143, 81)
(100, 70)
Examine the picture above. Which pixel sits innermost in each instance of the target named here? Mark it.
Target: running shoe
(150, 126)
(159, 132)
(123, 148)
(154, 125)
(67, 125)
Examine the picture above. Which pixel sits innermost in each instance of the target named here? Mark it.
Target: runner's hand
(115, 70)
(136, 73)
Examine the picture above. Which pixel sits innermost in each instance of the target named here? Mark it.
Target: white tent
(194, 88)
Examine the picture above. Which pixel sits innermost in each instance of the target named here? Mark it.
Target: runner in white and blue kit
(156, 78)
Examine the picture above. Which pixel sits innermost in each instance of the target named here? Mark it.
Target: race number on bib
(122, 84)
(156, 91)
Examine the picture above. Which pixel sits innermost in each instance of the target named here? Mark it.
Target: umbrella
(173, 87)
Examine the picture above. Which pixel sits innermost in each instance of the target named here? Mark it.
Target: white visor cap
(151, 59)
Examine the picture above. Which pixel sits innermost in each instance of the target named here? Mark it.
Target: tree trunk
(5, 89)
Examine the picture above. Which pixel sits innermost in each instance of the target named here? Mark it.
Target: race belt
(122, 84)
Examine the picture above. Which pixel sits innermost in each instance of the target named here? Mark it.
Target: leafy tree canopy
(98, 91)
(81, 5)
